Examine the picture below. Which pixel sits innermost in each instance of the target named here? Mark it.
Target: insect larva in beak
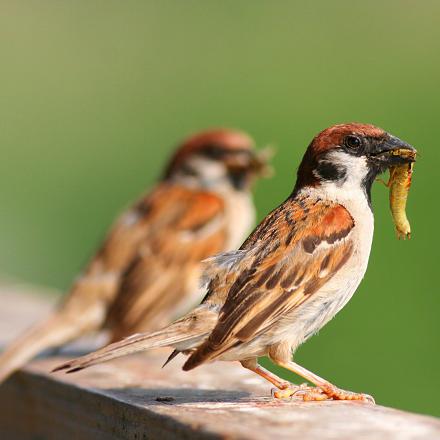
(399, 184)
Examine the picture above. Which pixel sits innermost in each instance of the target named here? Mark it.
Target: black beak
(254, 161)
(261, 162)
(393, 151)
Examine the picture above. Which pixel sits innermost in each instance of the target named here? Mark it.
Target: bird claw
(312, 394)
(369, 399)
(276, 393)
(316, 394)
(303, 390)
(285, 393)
(339, 394)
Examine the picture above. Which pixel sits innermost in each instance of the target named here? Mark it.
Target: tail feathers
(53, 332)
(203, 354)
(171, 357)
(185, 333)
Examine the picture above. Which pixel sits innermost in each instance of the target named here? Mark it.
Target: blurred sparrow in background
(293, 274)
(146, 271)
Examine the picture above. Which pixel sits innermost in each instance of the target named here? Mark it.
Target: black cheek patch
(239, 179)
(329, 171)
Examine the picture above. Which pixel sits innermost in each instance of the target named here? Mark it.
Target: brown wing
(284, 266)
(165, 269)
(99, 282)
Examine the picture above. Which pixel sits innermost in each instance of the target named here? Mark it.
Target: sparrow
(298, 268)
(146, 272)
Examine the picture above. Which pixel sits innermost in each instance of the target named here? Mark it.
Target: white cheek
(207, 168)
(351, 187)
(357, 167)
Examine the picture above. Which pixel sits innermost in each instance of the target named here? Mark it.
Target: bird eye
(214, 151)
(352, 142)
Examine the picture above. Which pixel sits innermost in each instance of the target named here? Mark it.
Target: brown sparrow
(146, 271)
(298, 268)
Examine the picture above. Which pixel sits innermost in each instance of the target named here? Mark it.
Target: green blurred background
(94, 95)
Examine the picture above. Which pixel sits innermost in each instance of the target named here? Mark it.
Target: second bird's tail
(57, 330)
(185, 333)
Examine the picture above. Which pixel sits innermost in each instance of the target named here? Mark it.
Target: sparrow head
(351, 154)
(218, 156)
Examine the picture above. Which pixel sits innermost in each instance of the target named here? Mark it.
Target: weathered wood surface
(19, 307)
(133, 398)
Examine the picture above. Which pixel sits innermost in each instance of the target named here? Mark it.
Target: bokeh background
(94, 95)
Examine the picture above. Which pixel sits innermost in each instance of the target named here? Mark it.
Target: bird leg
(283, 385)
(326, 389)
(252, 364)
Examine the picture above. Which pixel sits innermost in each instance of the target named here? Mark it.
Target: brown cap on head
(333, 136)
(210, 141)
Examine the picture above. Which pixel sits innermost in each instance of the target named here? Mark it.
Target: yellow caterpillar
(399, 184)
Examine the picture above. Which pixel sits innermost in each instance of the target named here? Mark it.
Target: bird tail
(53, 332)
(184, 334)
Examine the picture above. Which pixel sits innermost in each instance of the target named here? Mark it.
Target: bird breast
(313, 314)
(240, 214)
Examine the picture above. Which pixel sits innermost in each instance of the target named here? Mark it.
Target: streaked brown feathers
(268, 284)
(192, 227)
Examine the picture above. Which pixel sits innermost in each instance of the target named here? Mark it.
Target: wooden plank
(134, 398)
(21, 305)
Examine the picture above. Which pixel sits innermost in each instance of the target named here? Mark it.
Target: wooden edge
(125, 400)
(134, 398)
